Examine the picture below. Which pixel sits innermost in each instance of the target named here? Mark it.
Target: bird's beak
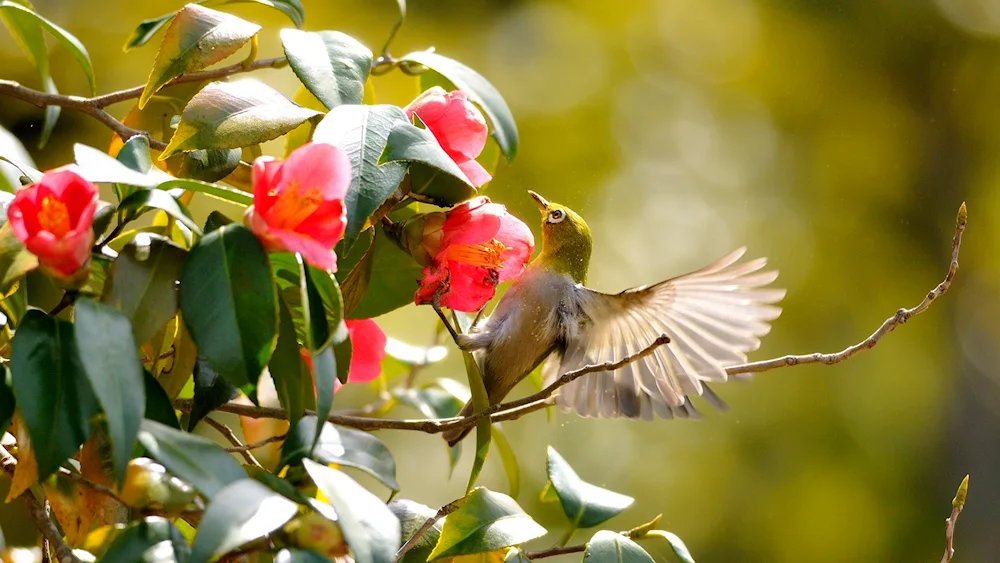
(543, 204)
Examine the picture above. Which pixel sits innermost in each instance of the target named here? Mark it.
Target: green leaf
(51, 388)
(158, 405)
(585, 505)
(134, 154)
(98, 167)
(342, 446)
(609, 547)
(112, 365)
(393, 280)
(229, 303)
(354, 269)
(22, 13)
(192, 458)
(432, 401)
(480, 402)
(143, 283)
(412, 516)
(332, 65)
(219, 192)
(509, 459)
(371, 530)
(361, 132)
(146, 30)
(440, 188)
(242, 512)
(215, 220)
(15, 260)
(485, 521)
(196, 38)
(210, 392)
(145, 200)
(480, 91)
(153, 538)
(205, 165)
(676, 544)
(291, 8)
(292, 380)
(409, 143)
(230, 115)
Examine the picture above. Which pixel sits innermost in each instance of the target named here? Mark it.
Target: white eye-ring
(557, 216)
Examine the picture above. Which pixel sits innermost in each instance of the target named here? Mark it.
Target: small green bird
(713, 316)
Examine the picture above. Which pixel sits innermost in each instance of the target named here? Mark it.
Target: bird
(712, 316)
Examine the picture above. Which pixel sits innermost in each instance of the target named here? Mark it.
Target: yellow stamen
(294, 205)
(488, 254)
(53, 216)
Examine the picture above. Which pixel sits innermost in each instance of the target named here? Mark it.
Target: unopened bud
(318, 533)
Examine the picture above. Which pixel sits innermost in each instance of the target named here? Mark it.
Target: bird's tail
(455, 436)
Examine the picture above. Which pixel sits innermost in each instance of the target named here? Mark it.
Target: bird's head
(566, 240)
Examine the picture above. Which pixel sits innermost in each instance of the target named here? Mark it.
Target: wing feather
(713, 316)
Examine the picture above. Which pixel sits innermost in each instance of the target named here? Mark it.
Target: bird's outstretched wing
(713, 317)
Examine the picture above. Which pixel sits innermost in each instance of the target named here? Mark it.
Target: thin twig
(635, 533)
(957, 504)
(228, 433)
(96, 487)
(37, 512)
(255, 445)
(427, 525)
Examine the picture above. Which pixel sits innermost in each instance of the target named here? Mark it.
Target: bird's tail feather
(455, 436)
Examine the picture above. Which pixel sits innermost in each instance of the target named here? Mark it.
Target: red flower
(367, 351)
(53, 219)
(477, 246)
(458, 126)
(298, 203)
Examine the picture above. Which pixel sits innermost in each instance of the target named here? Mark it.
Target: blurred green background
(837, 138)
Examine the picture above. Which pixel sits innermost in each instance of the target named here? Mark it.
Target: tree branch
(228, 433)
(37, 512)
(516, 409)
(957, 504)
(427, 525)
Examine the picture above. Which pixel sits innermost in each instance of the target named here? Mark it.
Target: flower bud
(318, 533)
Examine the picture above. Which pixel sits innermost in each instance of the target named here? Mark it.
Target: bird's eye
(557, 216)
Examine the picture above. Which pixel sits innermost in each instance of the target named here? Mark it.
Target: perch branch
(427, 525)
(957, 504)
(228, 434)
(37, 512)
(255, 445)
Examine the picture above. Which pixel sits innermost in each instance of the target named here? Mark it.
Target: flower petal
(367, 350)
(475, 172)
(472, 222)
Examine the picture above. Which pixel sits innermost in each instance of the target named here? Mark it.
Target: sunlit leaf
(332, 65)
(480, 402)
(609, 547)
(214, 190)
(291, 8)
(479, 90)
(98, 167)
(409, 143)
(22, 13)
(15, 260)
(153, 538)
(196, 38)
(485, 521)
(229, 115)
(206, 165)
(412, 516)
(242, 512)
(341, 446)
(509, 459)
(192, 458)
(145, 200)
(585, 505)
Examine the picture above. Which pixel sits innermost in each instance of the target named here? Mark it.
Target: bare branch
(427, 525)
(37, 512)
(957, 504)
(255, 445)
(97, 487)
(228, 433)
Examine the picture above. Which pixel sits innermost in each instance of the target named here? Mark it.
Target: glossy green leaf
(509, 459)
(205, 165)
(438, 187)
(15, 10)
(317, 331)
(229, 303)
(51, 388)
(242, 512)
(676, 544)
(342, 446)
(370, 529)
(158, 405)
(480, 402)
(393, 279)
(102, 219)
(112, 365)
(412, 516)
(145, 200)
(98, 167)
(610, 547)
(479, 90)
(361, 132)
(146, 30)
(211, 391)
(332, 65)
(409, 143)
(15, 260)
(485, 521)
(215, 220)
(134, 154)
(200, 462)
(585, 505)
(432, 401)
(151, 539)
(196, 38)
(292, 380)
(219, 192)
(354, 269)
(143, 283)
(291, 8)
(229, 115)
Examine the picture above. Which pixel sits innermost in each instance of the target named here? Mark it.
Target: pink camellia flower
(53, 219)
(458, 126)
(367, 352)
(477, 246)
(298, 203)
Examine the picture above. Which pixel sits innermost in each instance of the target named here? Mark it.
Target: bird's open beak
(543, 204)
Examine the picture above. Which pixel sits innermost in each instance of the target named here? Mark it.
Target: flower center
(488, 254)
(54, 217)
(294, 205)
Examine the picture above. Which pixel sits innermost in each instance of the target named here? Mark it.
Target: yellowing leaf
(66, 499)
(26, 471)
(95, 466)
(196, 38)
